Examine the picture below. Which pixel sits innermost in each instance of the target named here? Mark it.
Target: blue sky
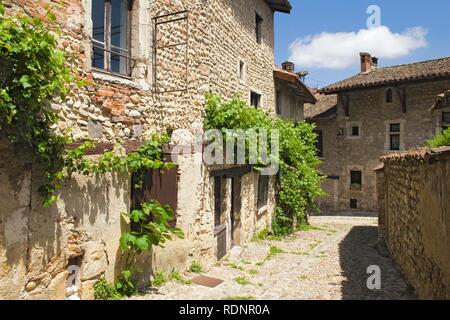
(313, 17)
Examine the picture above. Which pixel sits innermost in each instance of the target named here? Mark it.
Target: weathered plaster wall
(415, 219)
(291, 104)
(369, 111)
(38, 245)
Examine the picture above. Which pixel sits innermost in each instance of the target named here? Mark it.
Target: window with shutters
(319, 143)
(394, 136)
(255, 99)
(445, 120)
(355, 180)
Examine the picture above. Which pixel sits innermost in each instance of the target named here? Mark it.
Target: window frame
(445, 123)
(107, 48)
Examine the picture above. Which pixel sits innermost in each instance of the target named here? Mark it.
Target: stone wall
(368, 110)
(414, 193)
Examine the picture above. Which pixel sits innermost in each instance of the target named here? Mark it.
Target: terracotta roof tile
(324, 106)
(432, 69)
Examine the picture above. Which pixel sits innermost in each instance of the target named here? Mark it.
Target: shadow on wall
(358, 251)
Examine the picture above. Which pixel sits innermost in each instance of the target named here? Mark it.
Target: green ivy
(300, 180)
(148, 227)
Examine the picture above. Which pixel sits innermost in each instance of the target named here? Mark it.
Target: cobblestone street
(328, 262)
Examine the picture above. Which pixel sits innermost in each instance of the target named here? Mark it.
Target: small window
(447, 100)
(263, 191)
(355, 131)
(353, 204)
(258, 30)
(389, 96)
(445, 120)
(394, 136)
(278, 102)
(217, 201)
(319, 143)
(111, 36)
(241, 70)
(255, 99)
(355, 180)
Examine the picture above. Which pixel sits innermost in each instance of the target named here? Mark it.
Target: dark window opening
(355, 131)
(353, 204)
(319, 143)
(445, 120)
(389, 96)
(255, 99)
(258, 30)
(111, 36)
(355, 180)
(394, 136)
(217, 201)
(263, 191)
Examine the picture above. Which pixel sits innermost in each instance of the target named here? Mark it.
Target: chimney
(366, 62)
(288, 66)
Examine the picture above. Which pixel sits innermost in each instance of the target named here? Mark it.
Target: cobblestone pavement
(328, 262)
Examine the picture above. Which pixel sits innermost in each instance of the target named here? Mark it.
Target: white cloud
(341, 50)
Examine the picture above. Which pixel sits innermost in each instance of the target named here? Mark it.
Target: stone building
(375, 113)
(148, 65)
(291, 93)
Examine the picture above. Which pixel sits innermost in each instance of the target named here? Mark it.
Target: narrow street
(328, 262)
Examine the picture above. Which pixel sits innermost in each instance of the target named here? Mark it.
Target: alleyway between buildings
(329, 261)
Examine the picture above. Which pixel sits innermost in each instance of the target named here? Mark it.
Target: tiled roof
(294, 79)
(420, 154)
(324, 107)
(425, 70)
(280, 5)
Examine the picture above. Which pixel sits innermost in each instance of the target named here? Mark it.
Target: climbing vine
(300, 179)
(440, 140)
